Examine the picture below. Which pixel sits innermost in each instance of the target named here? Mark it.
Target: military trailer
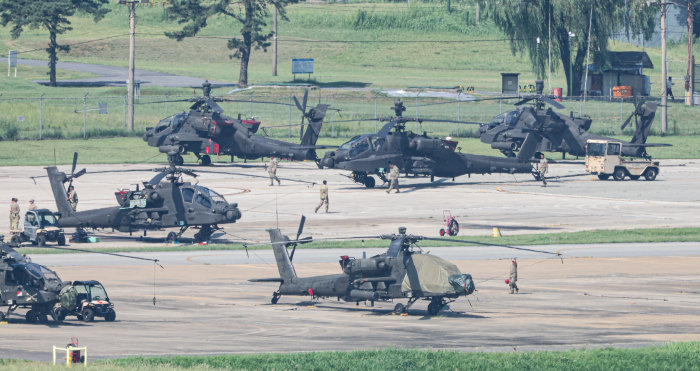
(604, 158)
(40, 226)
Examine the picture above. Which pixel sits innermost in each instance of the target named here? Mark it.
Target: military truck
(85, 300)
(40, 226)
(604, 158)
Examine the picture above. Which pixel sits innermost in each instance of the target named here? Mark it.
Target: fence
(100, 116)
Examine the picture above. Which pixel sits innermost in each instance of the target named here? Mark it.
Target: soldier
(324, 197)
(14, 215)
(272, 170)
(31, 206)
(513, 278)
(72, 197)
(542, 169)
(393, 178)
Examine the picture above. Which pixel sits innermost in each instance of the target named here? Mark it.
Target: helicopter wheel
(275, 298)
(206, 160)
(369, 182)
(2, 317)
(31, 316)
(172, 237)
(399, 309)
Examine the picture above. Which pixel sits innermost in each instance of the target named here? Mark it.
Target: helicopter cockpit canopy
(215, 197)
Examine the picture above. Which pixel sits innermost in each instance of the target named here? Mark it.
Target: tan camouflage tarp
(428, 274)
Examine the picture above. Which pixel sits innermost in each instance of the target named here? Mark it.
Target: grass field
(674, 356)
(584, 237)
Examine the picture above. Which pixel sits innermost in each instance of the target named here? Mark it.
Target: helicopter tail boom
(316, 116)
(284, 264)
(56, 179)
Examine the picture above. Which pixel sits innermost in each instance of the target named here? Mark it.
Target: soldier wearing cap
(272, 170)
(393, 178)
(72, 197)
(31, 206)
(542, 169)
(14, 215)
(324, 196)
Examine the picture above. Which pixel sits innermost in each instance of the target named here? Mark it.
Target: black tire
(31, 316)
(651, 173)
(399, 309)
(60, 314)
(41, 240)
(275, 298)
(603, 176)
(88, 315)
(619, 174)
(206, 160)
(454, 227)
(172, 237)
(79, 317)
(369, 182)
(2, 317)
(434, 308)
(634, 177)
(61, 240)
(111, 315)
(42, 318)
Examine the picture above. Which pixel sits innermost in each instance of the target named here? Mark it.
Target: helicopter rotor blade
(523, 101)
(75, 162)
(624, 125)
(155, 261)
(301, 226)
(552, 102)
(306, 98)
(296, 101)
(491, 245)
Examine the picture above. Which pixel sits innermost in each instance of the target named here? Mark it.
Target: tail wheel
(619, 174)
(453, 227)
(651, 173)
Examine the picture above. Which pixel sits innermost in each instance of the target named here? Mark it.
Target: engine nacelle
(508, 146)
(366, 267)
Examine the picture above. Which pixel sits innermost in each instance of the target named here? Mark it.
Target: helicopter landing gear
(80, 236)
(362, 178)
(399, 309)
(436, 305)
(204, 233)
(275, 297)
(205, 159)
(172, 236)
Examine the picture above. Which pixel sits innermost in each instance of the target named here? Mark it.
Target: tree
(251, 14)
(51, 16)
(523, 21)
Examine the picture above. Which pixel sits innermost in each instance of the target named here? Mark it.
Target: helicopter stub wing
(372, 163)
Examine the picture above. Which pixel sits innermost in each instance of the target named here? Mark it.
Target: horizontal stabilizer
(266, 280)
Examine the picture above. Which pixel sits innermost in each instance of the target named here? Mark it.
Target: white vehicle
(603, 158)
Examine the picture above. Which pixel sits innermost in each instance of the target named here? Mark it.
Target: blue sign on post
(302, 65)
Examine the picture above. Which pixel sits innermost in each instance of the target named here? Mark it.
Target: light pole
(571, 64)
(132, 51)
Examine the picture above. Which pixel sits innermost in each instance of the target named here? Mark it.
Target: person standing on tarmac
(272, 170)
(542, 169)
(14, 215)
(31, 206)
(324, 197)
(513, 277)
(73, 197)
(393, 178)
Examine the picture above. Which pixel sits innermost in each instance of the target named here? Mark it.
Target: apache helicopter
(160, 204)
(24, 284)
(205, 131)
(561, 133)
(403, 272)
(371, 154)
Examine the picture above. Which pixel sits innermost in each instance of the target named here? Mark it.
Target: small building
(620, 69)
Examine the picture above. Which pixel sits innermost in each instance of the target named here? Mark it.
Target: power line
(77, 43)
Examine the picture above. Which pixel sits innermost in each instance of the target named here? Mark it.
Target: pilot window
(187, 194)
(613, 148)
(360, 147)
(204, 201)
(512, 117)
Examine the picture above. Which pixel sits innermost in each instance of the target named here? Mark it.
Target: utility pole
(132, 51)
(664, 112)
(274, 41)
(689, 75)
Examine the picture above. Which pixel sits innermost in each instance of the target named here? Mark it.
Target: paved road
(117, 76)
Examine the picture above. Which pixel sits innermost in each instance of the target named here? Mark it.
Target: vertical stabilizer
(284, 265)
(56, 179)
(646, 120)
(316, 116)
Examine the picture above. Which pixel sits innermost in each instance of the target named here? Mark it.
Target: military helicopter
(561, 133)
(24, 284)
(371, 154)
(205, 131)
(403, 272)
(165, 201)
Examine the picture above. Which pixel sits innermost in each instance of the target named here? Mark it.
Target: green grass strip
(565, 238)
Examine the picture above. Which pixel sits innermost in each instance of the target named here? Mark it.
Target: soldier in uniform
(324, 197)
(72, 197)
(14, 215)
(542, 169)
(31, 206)
(513, 278)
(393, 178)
(272, 170)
